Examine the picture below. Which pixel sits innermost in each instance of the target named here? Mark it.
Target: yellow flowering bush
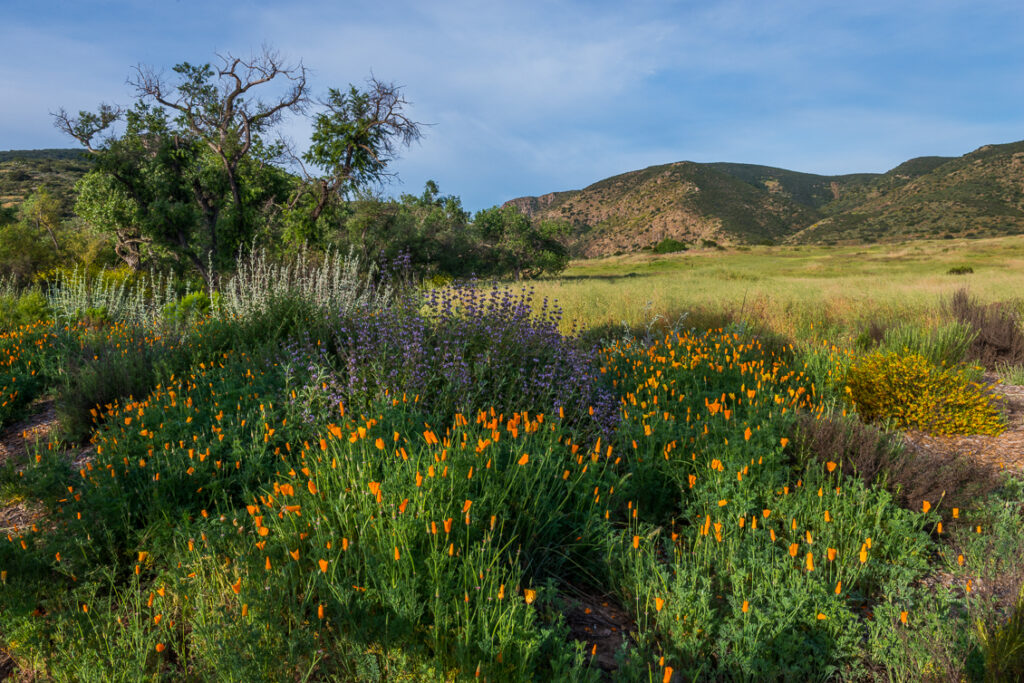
(914, 392)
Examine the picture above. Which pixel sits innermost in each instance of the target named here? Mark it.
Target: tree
(355, 138)
(148, 185)
(107, 206)
(33, 242)
(41, 210)
(223, 118)
(520, 247)
(192, 173)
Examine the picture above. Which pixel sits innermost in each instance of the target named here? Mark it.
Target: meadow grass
(790, 290)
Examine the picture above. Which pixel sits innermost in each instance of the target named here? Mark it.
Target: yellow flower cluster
(914, 392)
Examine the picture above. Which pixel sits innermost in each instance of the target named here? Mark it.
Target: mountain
(684, 201)
(808, 189)
(980, 193)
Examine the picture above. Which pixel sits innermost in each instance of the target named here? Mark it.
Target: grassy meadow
(326, 472)
(788, 288)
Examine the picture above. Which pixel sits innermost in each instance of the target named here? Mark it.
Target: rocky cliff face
(534, 206)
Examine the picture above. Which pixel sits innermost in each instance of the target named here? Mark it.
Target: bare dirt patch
(600, 624)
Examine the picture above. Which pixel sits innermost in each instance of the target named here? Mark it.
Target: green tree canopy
(192, 175)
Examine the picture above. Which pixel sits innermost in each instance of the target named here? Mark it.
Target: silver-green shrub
(133, 301)
(334, 282)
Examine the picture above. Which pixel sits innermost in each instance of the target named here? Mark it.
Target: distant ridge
(62, 154)
(24, 171)
(978, 194)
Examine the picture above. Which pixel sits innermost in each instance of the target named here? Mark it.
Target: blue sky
(529, 97)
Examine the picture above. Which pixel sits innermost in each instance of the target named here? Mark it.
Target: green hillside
(22, 172)
(684, 201)
(980, 194)
(809, 189)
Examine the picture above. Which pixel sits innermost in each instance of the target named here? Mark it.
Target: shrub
(913, 392)
(122, 299)
(944, 345)
(189, 308)
(669, 246)
(102, 366)
(22, 309)
(1004, 646)
(1010, 374)
(960, 270)
(878, 458)
(466, 346)
(871, 336)
(1000, 338)
(335, 283)
(827, 366)
(21, 375)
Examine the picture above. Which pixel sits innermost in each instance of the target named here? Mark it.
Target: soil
(600, 624)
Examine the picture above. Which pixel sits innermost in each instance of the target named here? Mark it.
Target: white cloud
(533, 97)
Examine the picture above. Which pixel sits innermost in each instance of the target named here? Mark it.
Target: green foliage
(121, 295)
(521, 247)
(964, 196)
(669, 246)
(827, 366)
(756, 566)
(1011, 374)
(946, 345)
(22, 309)
(1003, 646)
(35, 241)
(434, 235)
(21, 374)
(235, 522)
(190, 308)
(959, 270)
(913, 392)
(101, 366)
(334, 282)
(192, 179)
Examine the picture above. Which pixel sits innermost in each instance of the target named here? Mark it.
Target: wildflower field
(348, 476)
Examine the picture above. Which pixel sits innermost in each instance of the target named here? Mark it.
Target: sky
(527, 97)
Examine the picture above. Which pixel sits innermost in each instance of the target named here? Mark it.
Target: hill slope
(24, 171)
(685, 201)
(808, 189)
(981, 193)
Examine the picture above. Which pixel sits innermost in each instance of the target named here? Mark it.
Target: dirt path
(1003, 452)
